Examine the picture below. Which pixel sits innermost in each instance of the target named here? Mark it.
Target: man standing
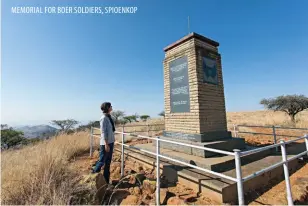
(106, 141)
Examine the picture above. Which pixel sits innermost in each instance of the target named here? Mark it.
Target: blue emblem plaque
(210, 70)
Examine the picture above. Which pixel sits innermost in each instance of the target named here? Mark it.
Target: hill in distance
(37, 131)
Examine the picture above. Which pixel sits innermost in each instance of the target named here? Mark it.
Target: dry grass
(39, 174)
(266, 118)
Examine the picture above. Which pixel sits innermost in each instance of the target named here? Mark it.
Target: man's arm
(105, 130)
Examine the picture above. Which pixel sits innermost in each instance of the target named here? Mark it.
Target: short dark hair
(105, 107)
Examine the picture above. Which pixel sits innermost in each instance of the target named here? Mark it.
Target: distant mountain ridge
(41, 131)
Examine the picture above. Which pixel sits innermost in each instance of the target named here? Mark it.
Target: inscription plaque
(179, 85)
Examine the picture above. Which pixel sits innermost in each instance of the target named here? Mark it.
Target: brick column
(194, 92)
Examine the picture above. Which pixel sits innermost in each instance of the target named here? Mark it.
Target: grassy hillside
(40, 174)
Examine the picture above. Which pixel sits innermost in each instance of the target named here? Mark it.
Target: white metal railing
(236, 153)
(237, 131)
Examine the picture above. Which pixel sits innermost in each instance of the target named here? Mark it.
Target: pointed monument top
(190, 36)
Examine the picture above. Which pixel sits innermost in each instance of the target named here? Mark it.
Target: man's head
(106, 107)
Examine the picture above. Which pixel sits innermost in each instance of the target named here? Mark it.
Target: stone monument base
(204, 137)
(227, 144)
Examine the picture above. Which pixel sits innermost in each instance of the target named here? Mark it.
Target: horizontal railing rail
(142, 125)
(150, 130)
(237, 155)
(258, 133)
(280, 127)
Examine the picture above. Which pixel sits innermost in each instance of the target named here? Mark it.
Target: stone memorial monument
(195, 110)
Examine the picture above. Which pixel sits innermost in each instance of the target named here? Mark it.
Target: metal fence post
(148, 131)
(286, 172)
(240, 189)
(234, 129)
(122, 153)
(91, 142)
(306, 140)
(157, 171)
(275, 138)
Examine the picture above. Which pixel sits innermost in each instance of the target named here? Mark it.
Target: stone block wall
(207, 102)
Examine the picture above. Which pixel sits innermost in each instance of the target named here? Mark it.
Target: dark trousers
(104, 159)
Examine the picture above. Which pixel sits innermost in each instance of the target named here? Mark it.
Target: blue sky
(65, 66)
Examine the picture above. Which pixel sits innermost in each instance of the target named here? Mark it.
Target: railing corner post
(148, 131)
(306, 140)
(275, 137)
(122, 152)
(240, 188)
(234, 129)
(286, 172)
(91, 142)
(157, 171)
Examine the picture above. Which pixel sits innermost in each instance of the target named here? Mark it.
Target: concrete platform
(225, 191)
(221, 190)
(227, 144)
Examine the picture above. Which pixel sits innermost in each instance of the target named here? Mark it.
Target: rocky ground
(136, 188)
